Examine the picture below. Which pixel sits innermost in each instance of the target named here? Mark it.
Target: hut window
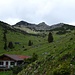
(1, 63)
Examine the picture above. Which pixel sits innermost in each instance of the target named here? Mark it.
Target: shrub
(63, 69)
(16, 69)
(61, 32)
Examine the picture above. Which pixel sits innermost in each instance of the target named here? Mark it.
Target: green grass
(18, 37)
(62, 50)
(6, 73)
(63, 45)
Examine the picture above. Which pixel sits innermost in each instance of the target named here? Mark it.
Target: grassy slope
(6, 73)
(62, 46)
(56, 55)
(40, 44)
(27, 30)
(18, 37)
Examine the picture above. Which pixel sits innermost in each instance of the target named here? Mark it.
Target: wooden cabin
(7, 61)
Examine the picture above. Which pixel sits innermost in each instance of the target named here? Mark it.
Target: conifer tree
(10, 45)
(5, 38)
(50, 37)
(29, 43)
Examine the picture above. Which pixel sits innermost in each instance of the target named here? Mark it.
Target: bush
(34, 57)
(62, 70)
(61, 32)
(16, 69)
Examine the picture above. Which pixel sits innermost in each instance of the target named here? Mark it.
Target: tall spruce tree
(29, 43)
(5, 38)
(50, 37)
(10, 45)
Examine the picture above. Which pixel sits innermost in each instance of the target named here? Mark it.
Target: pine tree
(50, 37)
(29, 43)
(5, 39)
(10, 45)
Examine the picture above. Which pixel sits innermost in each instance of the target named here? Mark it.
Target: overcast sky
(36, 11)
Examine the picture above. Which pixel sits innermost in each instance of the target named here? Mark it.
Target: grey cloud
(35, 11)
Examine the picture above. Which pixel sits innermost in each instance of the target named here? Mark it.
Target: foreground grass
(6, 73)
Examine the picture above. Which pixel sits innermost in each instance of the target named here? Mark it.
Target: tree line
(10, 45)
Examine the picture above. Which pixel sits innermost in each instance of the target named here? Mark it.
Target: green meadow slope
(19, 39)
(57, 58)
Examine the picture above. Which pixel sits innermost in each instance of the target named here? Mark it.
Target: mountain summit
(40, 26)
(43, 26)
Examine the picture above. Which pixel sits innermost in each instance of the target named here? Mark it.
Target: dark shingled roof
(16, 57)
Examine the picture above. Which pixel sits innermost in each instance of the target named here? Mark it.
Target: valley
(52, 57)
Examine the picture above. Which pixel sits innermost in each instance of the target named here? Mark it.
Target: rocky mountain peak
(42, 24)
(21, 23)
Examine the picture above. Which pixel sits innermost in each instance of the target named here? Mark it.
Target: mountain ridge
(38, 27)
(42, 26)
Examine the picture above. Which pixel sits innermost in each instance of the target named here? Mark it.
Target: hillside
(57, 58)
(17, 36)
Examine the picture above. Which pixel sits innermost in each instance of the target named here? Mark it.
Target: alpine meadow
(51, 49)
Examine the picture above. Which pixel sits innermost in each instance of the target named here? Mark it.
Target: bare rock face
(43, 26)
(40, 26)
